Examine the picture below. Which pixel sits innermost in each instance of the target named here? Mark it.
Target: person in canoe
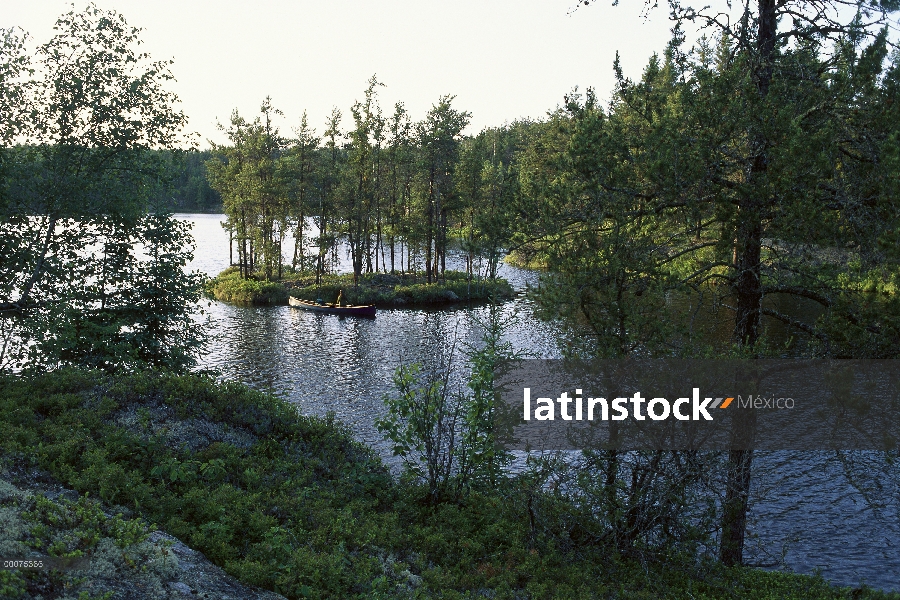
(340, 298)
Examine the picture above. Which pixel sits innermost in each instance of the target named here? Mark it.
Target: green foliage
(451, 291)
(74, 288)
(229, 286)
(382, 290)
(481, 456)
(115, 549)
(358, 188)
(83, 524)
(188, 189)
(292, 504)
(447, 439)
(393, 290)
(129, 311)
(422, 423)
(439, 139)
(272, 471)
(250, 177)
(642, 204)
(523, 261)
(14, 63)
(723, 181)
(394, 192)
(488, 181)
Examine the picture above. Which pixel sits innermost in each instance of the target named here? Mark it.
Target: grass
(381, 289)
(292, 504)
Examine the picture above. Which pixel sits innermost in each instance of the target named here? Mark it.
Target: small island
(384, 290)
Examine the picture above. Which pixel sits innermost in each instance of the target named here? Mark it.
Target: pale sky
(502, 59)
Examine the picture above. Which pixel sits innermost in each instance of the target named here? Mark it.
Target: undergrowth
(380, 289)
(292, 504)
(229, 286)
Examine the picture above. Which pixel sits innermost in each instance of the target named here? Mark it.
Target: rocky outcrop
(36, 511)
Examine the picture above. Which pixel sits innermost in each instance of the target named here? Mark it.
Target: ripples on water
(804, 507)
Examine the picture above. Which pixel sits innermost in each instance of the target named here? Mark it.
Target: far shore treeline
(753, 176)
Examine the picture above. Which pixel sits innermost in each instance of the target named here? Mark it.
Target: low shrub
(380, 289)
(229, 286)
(292, 504)
(114, 550)
(221, 467)
(385, 290)
(526, 261)
(882, 280)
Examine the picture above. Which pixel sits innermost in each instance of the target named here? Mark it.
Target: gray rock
(180, 588)
(167, 568)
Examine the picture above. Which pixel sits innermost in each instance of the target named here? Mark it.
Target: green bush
(380, 289)
(386, 290)
(229, 286)
(446, 438)
(883, 280)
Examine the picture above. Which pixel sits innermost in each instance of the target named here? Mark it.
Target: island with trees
(397, 194)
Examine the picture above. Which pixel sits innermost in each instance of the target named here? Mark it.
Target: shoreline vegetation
(291, 504)
(381, 289)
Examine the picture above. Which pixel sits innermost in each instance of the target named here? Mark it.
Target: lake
(806, 512)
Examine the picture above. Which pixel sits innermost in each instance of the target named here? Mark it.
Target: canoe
(331, 309)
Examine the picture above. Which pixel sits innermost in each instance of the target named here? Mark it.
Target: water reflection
(820, 513)
(324, 363)
(345, 365)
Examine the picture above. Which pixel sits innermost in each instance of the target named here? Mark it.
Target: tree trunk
(298, 243)
(443, 242)
(734, 515)
(392, 254)
(242, 247)
(39, 266)
(429, 227)
(280, 242)
(748, 292)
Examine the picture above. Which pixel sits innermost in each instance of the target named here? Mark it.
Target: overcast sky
(502, 59)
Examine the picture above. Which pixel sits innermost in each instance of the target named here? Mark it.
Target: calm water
(806, 514)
